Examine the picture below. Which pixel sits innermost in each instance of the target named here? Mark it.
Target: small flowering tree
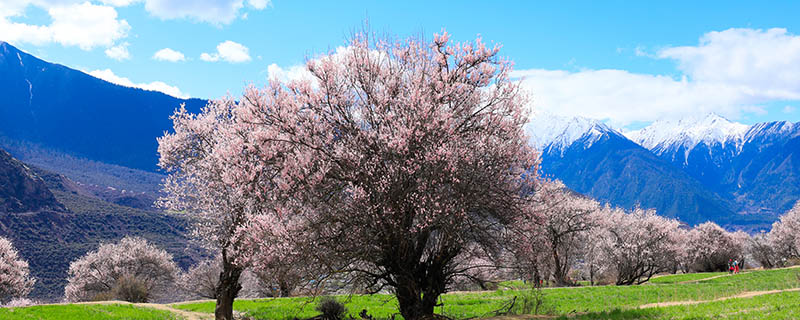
(216, 177)
(553, 232)
(131, 270)
(638, 244)
(200, 281)
(15, 279)
(710, 248)
(762, 250)
(785, 234)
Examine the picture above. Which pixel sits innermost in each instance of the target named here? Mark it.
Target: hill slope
(62, 221)
(71, 111)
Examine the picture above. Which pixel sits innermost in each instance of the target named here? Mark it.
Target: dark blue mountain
(757, 167)
(70, 111)
(600, 162)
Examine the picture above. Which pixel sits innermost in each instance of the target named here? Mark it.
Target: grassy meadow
(594, 302)
(716, 293)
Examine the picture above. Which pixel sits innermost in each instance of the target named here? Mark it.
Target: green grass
(84, 312)
(784, 305)
(676, 278)
(557, 301)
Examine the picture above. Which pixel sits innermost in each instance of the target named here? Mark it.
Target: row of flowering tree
(567, 236)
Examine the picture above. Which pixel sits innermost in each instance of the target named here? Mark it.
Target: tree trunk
(284, 288)
(416, 305)
(227, 288)
(560, 270)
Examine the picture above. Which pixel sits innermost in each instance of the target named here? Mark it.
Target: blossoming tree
(15, 279)
(398, 154)
(115, 267)
(710, 247)
(785, 234)
(638, 244)
(554, 231)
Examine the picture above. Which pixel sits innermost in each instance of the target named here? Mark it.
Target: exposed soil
(748, 294)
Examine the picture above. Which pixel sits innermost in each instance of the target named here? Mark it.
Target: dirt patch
(187, 315)
(748, 294)
(709, 278)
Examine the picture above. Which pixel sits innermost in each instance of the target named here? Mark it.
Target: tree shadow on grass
(650, 313)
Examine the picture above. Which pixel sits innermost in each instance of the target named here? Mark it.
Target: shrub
(331, 309)
(131, 289)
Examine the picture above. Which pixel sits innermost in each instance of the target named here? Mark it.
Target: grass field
(85, 312)
(716, 292)
(556, 301)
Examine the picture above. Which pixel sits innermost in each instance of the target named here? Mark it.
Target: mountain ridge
(70, 111)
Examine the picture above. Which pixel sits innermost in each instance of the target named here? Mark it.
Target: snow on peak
(689, 132)
(551, 131)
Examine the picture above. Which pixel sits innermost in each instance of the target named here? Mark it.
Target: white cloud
(623, 97)
(788, 109)
(209, 57)
(73, 24)
(295, 72)
(259, 4)
(119, 3)
(212, 11)
(764, 62)
(228, 51)
(108, 75)
(119, 52)
(170, 55)
(732, 73)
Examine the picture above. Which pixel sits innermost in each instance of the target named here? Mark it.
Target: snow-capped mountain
(685, 134)
(756, 166)
(551, 132)
(596, 160)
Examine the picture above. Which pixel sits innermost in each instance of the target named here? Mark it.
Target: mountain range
(696, 169)
(68, 110)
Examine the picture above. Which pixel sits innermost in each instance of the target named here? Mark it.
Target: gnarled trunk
(284, 288)
(227, 288)
(416, 304)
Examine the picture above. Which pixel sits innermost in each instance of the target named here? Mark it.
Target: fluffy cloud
(622, 97)
(170, 55)
(788, 109)
(119, 52)
(228, 51)
(732, 72)
(295, 72)
(766, 62)
(108, 75)
(212, 11)
(119, 3)
(73, 24)
(259, 4)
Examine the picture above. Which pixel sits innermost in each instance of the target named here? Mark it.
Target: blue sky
(625, 62)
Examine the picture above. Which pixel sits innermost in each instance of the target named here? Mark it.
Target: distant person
(730, 265)
(735, 266)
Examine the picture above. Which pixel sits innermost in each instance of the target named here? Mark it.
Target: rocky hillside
(21, 189)
(53, 220)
